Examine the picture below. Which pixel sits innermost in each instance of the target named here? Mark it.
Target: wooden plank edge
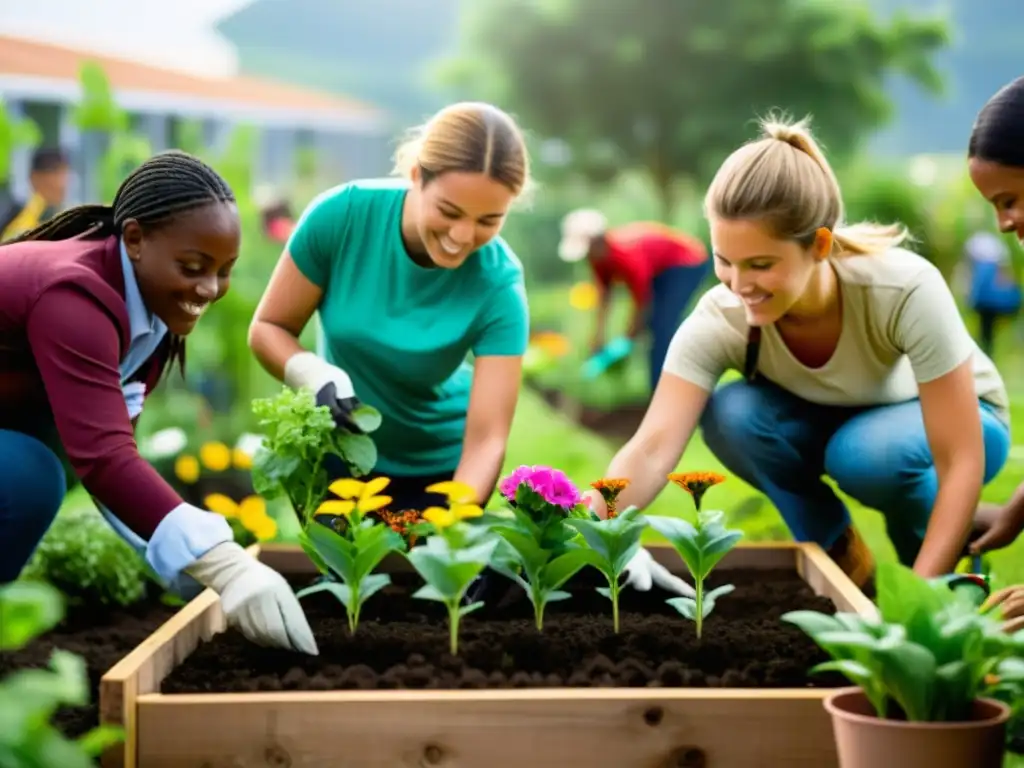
(119, 686)
(485, 695)
(813, 559)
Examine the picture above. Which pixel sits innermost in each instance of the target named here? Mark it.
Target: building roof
(37, 70)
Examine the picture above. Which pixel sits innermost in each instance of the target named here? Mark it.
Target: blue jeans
(879, 455)
(34, 480)
(671, 293)
(32, 488)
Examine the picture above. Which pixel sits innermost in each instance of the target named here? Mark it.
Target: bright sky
(169, 33)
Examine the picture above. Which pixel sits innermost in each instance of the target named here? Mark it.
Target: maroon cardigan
(63, 333)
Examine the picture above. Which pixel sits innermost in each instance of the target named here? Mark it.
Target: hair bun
(797, 135)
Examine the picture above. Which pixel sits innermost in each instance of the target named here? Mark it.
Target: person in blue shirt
(410, 276)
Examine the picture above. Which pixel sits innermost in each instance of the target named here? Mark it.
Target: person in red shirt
(94, 308)
(660, 266)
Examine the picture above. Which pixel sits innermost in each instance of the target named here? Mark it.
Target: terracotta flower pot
(866, 741)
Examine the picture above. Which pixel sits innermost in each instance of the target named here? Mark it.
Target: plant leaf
(564, 567)
(366, 417)
(339, 589)
(371, 584)
(687, 606)
(708, 601)
(28, 609)
(334, 549)
(908, 671)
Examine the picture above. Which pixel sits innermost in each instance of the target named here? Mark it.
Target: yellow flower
(215, 456)
(241, 459)
(335, 507)
(583, 296)
(265, 529)
(456, 492)
(221, 504)
(442, 518)
(186, 468)
(355, 494)
(251, 512)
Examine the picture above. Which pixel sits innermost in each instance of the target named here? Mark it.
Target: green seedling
(454, 552)
(349, 556)
(613, 542)
(701, 546)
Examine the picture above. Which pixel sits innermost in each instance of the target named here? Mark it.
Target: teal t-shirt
(402, 332)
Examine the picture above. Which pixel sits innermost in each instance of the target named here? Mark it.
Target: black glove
(340, 407)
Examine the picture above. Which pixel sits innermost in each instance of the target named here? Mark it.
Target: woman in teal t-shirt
(409, 275)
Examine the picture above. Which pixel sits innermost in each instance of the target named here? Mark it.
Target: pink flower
(510, 484)
(551, 484)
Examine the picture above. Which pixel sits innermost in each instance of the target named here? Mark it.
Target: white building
(39, 79)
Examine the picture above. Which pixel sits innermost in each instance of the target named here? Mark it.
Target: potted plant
(927, 670)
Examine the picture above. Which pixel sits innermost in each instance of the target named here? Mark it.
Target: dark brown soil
(102, 636)
(402, 642)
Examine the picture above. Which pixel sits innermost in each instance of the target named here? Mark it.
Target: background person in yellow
(662, 268)
(857, 366)
(49, 180)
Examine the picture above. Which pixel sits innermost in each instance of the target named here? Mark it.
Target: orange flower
(610, 488)
(399, 522)
(696, 483)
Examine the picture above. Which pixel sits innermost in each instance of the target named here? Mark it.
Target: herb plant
(546, 551)
(701, 545)
(927, 656)
(614, 541)
(349, 556)
(452, 555)
(298, 436)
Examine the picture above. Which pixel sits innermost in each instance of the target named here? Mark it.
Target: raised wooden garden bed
(578, 694)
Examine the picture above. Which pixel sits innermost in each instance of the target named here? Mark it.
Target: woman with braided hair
(857, 367)
(94, 307)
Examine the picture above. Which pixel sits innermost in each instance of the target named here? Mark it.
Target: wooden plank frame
(614, 727)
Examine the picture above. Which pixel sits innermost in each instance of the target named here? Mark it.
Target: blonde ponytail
(785, 180)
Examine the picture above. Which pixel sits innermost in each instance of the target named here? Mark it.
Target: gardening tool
(614, 351)
(975, 586)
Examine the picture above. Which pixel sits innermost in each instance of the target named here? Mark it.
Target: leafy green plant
(85, 558)
(614, 541)
(349, 553)
(452, 555)
(928, 654)
(701, 545)
(298, 436)
(29, 698)
(546, 551)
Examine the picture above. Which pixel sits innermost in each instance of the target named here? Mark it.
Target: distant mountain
(382, 50)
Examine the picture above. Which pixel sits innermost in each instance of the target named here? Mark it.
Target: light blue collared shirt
(145, 329)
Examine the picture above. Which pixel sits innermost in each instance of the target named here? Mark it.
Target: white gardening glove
(134, 396)
(256, 599)
(643, 570)
(307, 369)
(331, 385)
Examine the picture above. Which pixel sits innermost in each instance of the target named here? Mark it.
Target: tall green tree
(672, 86)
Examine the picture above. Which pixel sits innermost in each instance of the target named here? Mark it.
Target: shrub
(87, 560)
